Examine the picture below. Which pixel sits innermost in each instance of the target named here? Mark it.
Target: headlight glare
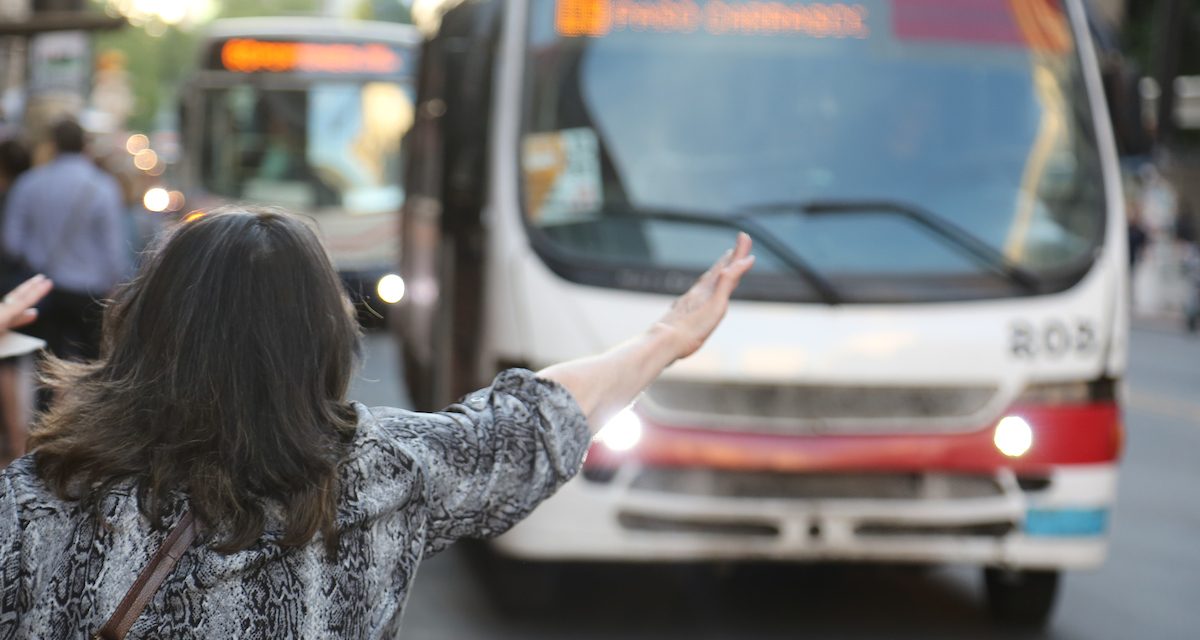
(623, 431)
(1013, 437)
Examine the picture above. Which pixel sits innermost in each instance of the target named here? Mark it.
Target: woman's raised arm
(604, 384)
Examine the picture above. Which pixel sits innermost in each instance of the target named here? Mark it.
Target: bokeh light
(137, 143)
(145, 159)
(157, 199)
(176, 201)
(163, 12)
(390, 288)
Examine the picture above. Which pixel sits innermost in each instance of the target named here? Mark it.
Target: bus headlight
(390, 288)
(623, 432)
(1014, 436)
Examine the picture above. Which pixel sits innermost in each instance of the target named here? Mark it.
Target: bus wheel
(1022, 598)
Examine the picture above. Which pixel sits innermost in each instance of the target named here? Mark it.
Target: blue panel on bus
(1066, 522)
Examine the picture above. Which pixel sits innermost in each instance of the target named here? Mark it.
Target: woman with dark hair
(220, 396)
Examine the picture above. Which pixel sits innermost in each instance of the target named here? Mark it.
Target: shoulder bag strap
(150, 579)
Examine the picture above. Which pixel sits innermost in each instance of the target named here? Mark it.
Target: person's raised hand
(16, 310)
(696, 313)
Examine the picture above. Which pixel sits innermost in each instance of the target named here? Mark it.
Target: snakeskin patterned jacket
(411, 484)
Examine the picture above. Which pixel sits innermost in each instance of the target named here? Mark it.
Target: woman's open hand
(17, 310)
(603, 384)
(697, 313)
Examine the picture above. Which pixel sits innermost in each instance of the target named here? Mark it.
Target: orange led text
(596, 18)
(245, 55)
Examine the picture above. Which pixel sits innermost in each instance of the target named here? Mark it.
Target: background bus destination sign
(252, 55)
(597, 18)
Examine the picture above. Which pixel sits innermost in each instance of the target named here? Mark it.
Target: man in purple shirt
(65, 220)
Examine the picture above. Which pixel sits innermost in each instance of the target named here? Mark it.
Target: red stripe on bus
(1062, 435)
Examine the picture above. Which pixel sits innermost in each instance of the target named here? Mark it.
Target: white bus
(924, 365)
(307, 113)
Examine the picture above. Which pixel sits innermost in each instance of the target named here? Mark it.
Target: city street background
(367, 115)
(1147, 589)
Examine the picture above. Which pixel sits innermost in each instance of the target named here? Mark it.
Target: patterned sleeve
(10, 560)
(487, 461)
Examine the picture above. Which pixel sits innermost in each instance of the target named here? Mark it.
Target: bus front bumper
(1062, 526)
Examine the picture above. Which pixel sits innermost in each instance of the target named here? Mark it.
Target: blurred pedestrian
(1191, 273)
(65, 219)
(1189, 250)
(14, 161)
(218, 412)
(14, 397)
(1184, 228)
(1136, 226)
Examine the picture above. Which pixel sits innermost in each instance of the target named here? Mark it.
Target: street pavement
(1149, 588)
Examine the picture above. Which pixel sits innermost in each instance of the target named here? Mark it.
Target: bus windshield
(974, 114)
(330, 145)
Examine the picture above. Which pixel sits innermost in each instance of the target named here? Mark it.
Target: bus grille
(789, 406)
(815, 486)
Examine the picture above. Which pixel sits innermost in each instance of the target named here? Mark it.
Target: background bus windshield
(331, 145)
(976, 117)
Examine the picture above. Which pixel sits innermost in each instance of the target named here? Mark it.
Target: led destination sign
(597, 18)
(249, 55)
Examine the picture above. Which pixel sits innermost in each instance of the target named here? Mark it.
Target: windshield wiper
(955, 235)
(825, 290)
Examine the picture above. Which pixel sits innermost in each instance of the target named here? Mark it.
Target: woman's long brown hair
(223, 374)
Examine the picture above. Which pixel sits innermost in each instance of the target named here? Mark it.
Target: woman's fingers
(25, 317)
(29, 292)
(732, 275)
(740, 250)
(16, 308)
(740, 262)
(741, 247)
(695, 314)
